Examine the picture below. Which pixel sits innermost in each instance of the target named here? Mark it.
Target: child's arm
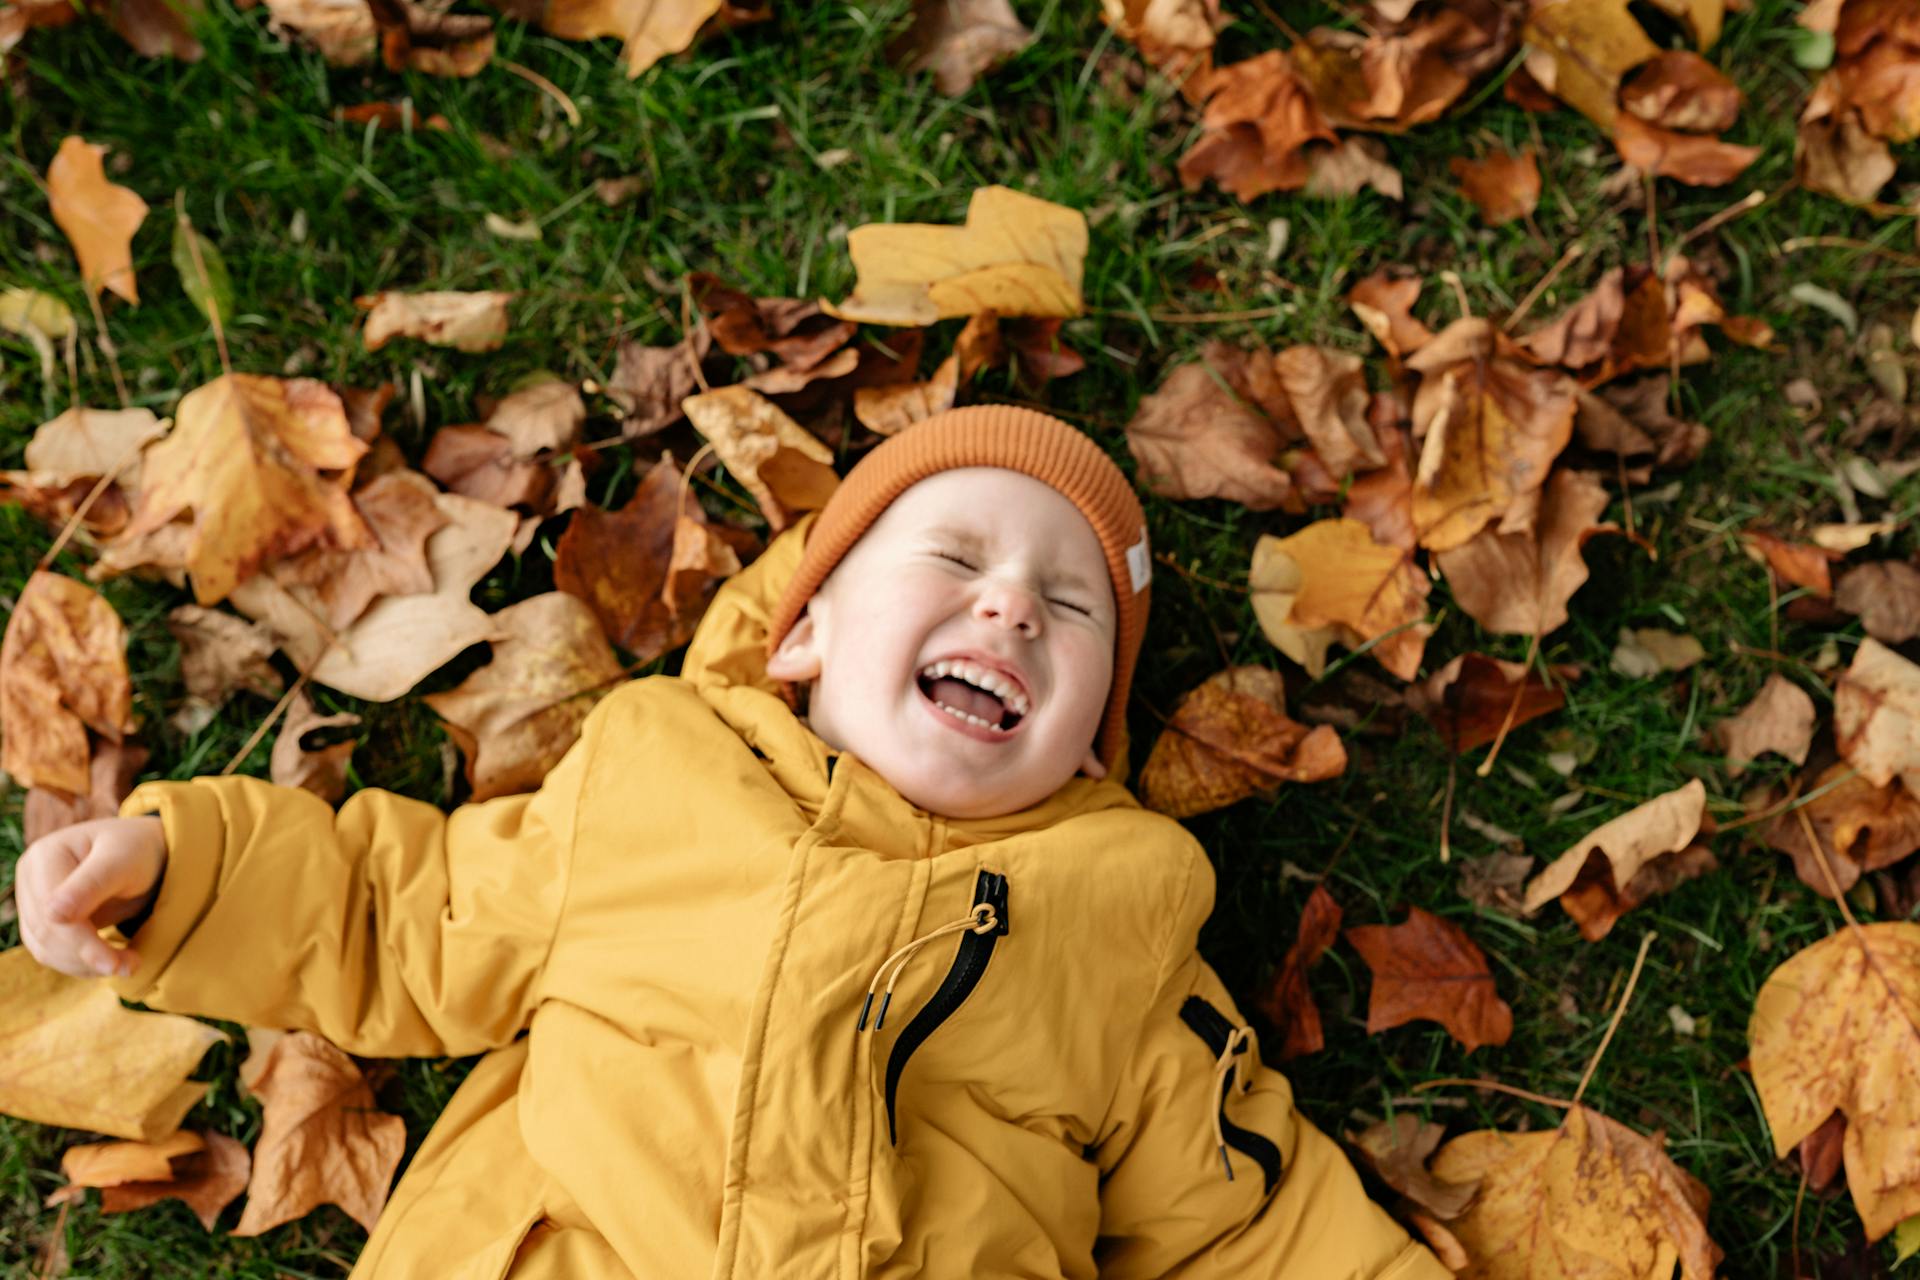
(391, 929)
(1294, 1205)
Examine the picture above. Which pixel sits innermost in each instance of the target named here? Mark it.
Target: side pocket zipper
(969, 965)
(1216, 1032)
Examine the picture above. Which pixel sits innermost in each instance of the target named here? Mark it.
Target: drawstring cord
(982, 919)
(1228, 1065)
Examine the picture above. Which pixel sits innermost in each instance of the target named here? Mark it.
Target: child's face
(1002, 578)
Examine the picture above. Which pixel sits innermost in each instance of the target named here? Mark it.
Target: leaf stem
(1619, 1012)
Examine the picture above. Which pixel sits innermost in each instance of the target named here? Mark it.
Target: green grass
(727, 138)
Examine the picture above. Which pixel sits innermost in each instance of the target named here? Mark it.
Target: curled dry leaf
(1643, 852)
(112, 772)
(1231, 738)
(1384, 305)
(1519, 583)
(650, 383)
(1679, 89)
(90, 443)
(1648, 651)
(793, 330)
(1590, 1198)
(98, 216)
(1886, 596)
(546, 415)
(63, 671)
(1387, 80)
(342, 30)
(1017, 255)
(1429, 968)
(1794, 562)
(1779, 719)
(1860, 828)
(1579, 49)
(1288, 1002)
(1215, 428)
(894, 407)
(1398, 1150)
(463, 321)
(1176, 36)
(785, 469)
(108, 1164)
(72, 1055)
(1876, 716)
(1470, 698)
(220, 654)
(319, 769)
(1256, 127)
(1583, 334)
(321, 1139)
(1837, 1029)
(1332, 583)
(1502, 185)
(1690, 158)
(959, 41)
(207, 1181)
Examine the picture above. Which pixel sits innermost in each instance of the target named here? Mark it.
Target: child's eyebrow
(970, 539)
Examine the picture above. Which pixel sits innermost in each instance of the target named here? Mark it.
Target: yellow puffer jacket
(686, 920)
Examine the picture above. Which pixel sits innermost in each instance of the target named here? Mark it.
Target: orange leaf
(1643, 852)
(1502, 185)
(207, 1181)
(1231, 738)
(1385, 305)
(1332, 583)
(98, 217)
(786, 469)
(1429, 968)
(1256, 124)
(1690, 158)
(1176, 36)
(63, 670)
(1288, 1002)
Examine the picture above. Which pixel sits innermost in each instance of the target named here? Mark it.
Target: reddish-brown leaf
(1215, 429)
(1619, 865)
(1231, 738)
(1429, 968)
(1288, 1002)
(1256, 127)
(1693, 159)
(1502, 185)
(1679, 89)
(1861, 827)
(1470, 698)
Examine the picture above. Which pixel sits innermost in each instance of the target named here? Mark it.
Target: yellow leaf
(1017, 255)
(98, 216)
(1906, 1240)
(72, 1055)
(785, 469)
(24, 309)
(1331, 582)
(1579, 49)
(108, 1164)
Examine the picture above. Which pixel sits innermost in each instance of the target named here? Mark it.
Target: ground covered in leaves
(591, 197)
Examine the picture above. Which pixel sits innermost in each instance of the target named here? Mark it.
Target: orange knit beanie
(994, 435)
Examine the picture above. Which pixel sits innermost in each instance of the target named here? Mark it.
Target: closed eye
(960, 560)
(1068, 604)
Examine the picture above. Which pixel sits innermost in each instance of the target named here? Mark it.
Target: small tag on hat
(1139, 563)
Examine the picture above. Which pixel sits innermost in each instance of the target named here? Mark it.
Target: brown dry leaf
(1429, 968)
(515, 717)
(1208, 431)
(1288, 1002)
(1490, 429)
(1328, 392)
(63, 670)
(1779, 719)
(1519, 583)
(1794, 562)
(263, 464)
(1470, 698)
(98, 216)
(1495, 881)
(1645, 851)
(321, 1140)
(463, 321)
(321, 769)
(1861, 827)
(1837, 1028)
(1382, 499)
(1583, 334)
(1631, 419)
(1231, 738)
(1385, 305)
(1332, 583)
(794, 330)
(478, 463)
(1646, 652)
(544, 416)
(1398, 1150)
(1679, 89)
(1502, 185)
(1703, 17)
(158, 28)
(206, 1180)
(1016, 255)
(959, 41)
(427, 38)
(893, 408)
(1588, 1199)
(1837, 156)
(1821, 1152)
(1886, 596)
(402, 510)
(1876, 716)
(1257, 123)
(1350, 165)
(114, 768)
(1039, 353)
(342, 30)
(785, 469)
(71, 1055)
(1176, 36)
(219, 654)
(1685, 157)
(1579, 49)
(622, 563)
(89, 443)
(108, 1164)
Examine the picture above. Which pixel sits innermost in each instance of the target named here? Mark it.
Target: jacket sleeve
(1294, 1206)
(390, 928)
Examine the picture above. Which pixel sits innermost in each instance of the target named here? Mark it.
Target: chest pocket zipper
(1225, 1042)
(980, 930)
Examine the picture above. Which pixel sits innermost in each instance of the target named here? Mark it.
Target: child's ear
(797, 659)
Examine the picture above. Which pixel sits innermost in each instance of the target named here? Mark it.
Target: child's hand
(81, 879)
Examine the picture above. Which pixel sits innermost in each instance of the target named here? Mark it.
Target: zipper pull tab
(1225, 1163)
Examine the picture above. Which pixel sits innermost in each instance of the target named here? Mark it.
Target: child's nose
(1010, 606)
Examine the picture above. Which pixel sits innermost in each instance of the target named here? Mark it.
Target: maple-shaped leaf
(1390, 81)
(1579, 49)
(1429, 968)
(1619, 865)
(1231, 738)
(1588, 1199)
(1177, 36)
(1017, 255)
(1331, 583)
(959, 41)
(1860, 827)
(402, 511)
(1288, 1001)
(262, 463)
(1837, 1028)
(321, 1139)
(98, 216)
(1631, 419)
(1384, 304)
(463, 321)
(63, 670)
(515, 717)
(1474, 695)
(319, 769)
(72, 1055)
(1492, 427)
(1259, 120)
(1502, 185)
(785, 469)
(1779, 719)
(622, 564)
(1398, 1150)
(1886, 596)
(1876, 715)
(1215, 429)
(111, 775)
(1519, 583)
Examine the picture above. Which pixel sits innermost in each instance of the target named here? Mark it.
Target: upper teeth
(992, 681)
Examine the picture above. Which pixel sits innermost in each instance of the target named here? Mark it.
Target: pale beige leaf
(1648, 651)
(960, 41)
(463, 321)
(1779, 719)
(321, 770)
(785, 469)
(90, 443)
(1595, 878)
(1886, 596)
(1876, 716)
(342, 30)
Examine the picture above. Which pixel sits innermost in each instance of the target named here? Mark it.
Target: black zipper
(1213, 1028)
(969, 963)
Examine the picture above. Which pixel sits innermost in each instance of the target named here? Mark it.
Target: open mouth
(974, 695)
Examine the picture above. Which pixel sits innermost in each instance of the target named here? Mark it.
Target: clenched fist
(79, 880)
